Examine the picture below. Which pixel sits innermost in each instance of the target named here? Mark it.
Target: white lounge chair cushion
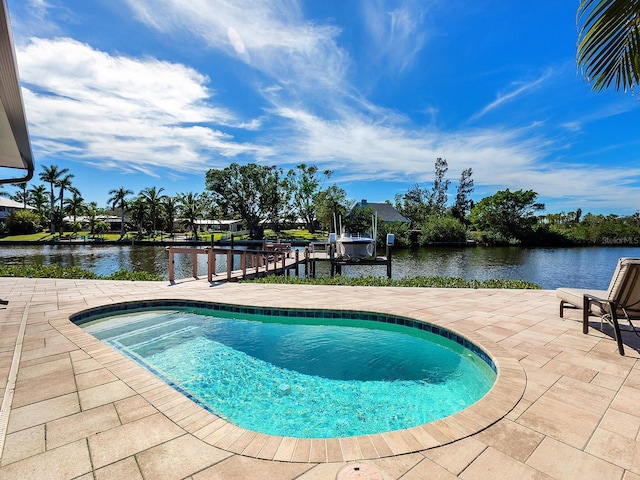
(575, 296)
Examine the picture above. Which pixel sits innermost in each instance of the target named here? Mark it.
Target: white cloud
(272, 36)
(128, 113)
(610, 110)
(236, 41)
(39, 7)
(397, 34)
(517, 90)
(358, 150)
(37, 18)
(356, 138)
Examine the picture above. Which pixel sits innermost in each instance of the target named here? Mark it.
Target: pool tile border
(495, 405)
(97, 312)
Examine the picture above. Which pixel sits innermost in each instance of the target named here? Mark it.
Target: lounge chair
(620, 301)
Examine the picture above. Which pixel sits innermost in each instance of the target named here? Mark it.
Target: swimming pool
(300, 373)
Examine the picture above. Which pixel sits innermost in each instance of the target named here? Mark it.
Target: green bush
(488, 238)
(400, 230)
(57, 271)
(45, 271)
(442, 230)
(23, 222)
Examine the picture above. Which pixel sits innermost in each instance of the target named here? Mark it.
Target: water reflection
(589, 267)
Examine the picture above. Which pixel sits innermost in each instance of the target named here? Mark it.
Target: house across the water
(386, 212)
(220, 225)
(8, 206)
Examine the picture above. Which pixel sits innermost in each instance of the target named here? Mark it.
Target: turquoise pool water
(300, 376)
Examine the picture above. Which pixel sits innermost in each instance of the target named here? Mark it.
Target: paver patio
(565, 405)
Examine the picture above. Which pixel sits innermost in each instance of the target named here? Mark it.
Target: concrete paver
(565, 404)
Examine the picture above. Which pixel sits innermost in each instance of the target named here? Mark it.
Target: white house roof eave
(15, 148)
(8, 203)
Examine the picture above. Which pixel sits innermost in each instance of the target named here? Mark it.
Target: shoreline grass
(57, 271)
(420, 281)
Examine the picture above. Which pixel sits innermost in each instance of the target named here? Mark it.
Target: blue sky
(141, 93)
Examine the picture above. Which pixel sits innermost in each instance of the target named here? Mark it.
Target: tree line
(262, 195)
(504, 218)
(253, 193)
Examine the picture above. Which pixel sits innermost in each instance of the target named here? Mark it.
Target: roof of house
(15, 148)
(216, 222)
(8, 203)
(385, 211)
(101, 218)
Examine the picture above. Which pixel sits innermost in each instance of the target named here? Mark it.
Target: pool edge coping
(501, 399)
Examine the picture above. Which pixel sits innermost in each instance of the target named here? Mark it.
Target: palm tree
(52, 175)
(92, 215)
(38, 199)
(170, 206)
(74, 205)
(153, 199)
(609, 43)
(65, 183)
(138, 210)
(118, 199)
(22, 195)
(190, 207)
(211, 210)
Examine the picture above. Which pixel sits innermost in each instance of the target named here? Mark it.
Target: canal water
(588, 267)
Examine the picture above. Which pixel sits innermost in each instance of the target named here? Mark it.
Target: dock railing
(252, 263)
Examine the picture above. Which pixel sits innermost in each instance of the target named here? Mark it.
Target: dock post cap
(391, 239)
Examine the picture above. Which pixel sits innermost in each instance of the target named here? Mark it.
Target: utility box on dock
(391, 239)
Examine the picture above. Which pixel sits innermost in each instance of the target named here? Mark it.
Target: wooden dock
(278, 258)
(326, 252)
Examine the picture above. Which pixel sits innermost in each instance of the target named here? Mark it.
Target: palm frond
(609, 43)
